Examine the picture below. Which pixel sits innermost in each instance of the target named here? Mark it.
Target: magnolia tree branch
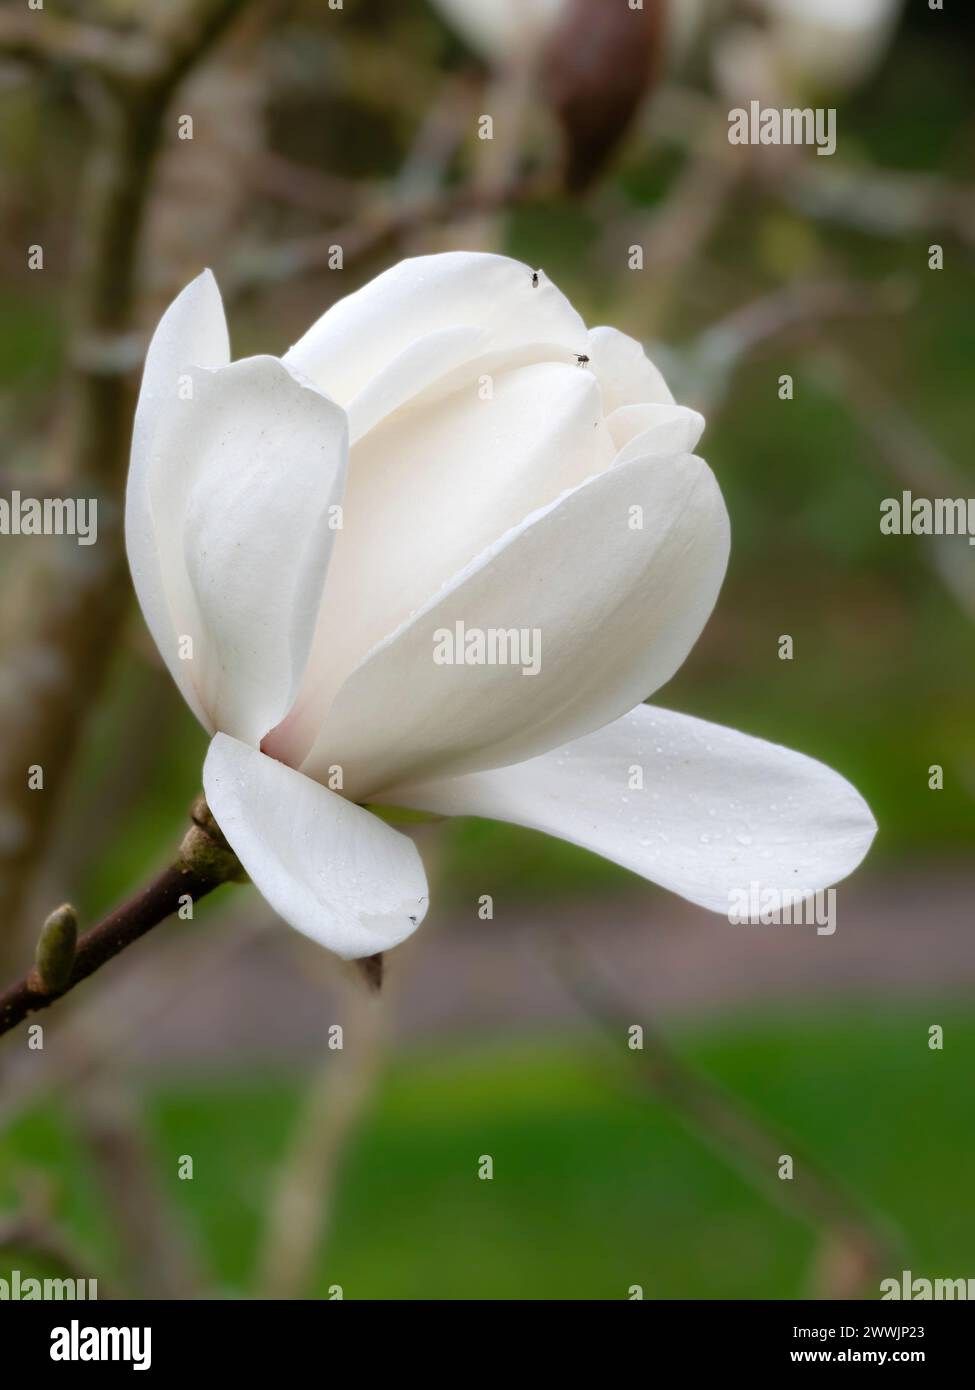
(910, 457)
(716, 354)
(203, 863)
(160, 1258)
(855, 1250)
(375, 229)
(45, 40)
(34, 1233)
(57, 645)
(879, 202)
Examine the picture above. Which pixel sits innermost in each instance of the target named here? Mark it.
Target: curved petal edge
(336, 873)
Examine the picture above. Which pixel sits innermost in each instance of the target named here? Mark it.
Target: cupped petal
(625, 373)
(428, 492)
(415, 373)
(245, 480)
(585, 614)
(380, 329)
(655, 429)
(191, 333)
(332, 870)
(700, 809)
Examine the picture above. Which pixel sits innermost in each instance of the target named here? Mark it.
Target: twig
(718, 352)
(910, 453)
(44, 40)
(79, 1056)
(34, 1233)
(676, 233)
(738, 1136)
(907, 452)
(301, 185)
(881, 203)
(118, 930)
(876, 202)
(160, 1258)
(372, 231)
(438, 137)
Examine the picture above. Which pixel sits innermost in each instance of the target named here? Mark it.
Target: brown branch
(880, 202)
(44, 40)
(147, 59)
(80, 1055)
(110, 937)
(858, 1248)
(678, 230)
(870, 200)
(719, 350)
(905, 451)
(59, 642)
(273, 175)
(160, 1258)
(34, 1233)
(377, 228)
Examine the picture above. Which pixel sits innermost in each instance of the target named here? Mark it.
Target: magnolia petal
(245, 478)
(332, 870)
(617, 609)
(192, 332)
(418, 368)
(625, 373)
(719, 813)
(428, 492)
(380, 327)
(655, 429)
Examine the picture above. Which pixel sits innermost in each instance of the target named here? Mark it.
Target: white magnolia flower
(500, 466)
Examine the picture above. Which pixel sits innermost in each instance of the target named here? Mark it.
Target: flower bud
(55, 954)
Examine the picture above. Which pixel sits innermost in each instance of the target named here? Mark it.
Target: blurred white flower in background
(510, 31)
(806, 47)
(830, 43)
(503, 31)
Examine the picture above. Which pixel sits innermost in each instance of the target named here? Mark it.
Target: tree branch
(147, 59)
(75, 595)
(720, 349)
(34, 1233)
(205, 860)
(44, 40)
(858, 1247)
(375, 229)
(121, 928)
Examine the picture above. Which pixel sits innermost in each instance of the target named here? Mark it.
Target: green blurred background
(599, 1182)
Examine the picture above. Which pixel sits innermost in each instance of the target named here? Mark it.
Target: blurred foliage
(595, 1186)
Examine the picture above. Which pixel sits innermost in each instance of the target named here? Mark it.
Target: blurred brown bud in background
(599, 63)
